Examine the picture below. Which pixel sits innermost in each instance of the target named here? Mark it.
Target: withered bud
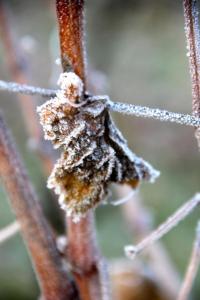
(71, 87)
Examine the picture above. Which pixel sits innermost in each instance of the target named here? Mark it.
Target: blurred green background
(138, 52)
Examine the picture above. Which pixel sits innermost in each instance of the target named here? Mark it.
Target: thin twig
(139, 220)
(14, 87)
(54, 281)
(9, 231)
(154, 113)
(87, 265)
(129, 109)
(192, 269)
(193, 47)
(171, 222)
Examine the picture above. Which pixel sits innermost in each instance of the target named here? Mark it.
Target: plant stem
(9, 231)
(83, 253)
(192, 268)
(71, 30)
(129, 109)
(39, 238)
(165, 227)
(193, 52)
(139, 220)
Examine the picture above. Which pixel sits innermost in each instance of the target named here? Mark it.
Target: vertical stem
(83, 253)
(192, 268)
(70, 19)
(39, 238)
(85, 258)
(193, 46)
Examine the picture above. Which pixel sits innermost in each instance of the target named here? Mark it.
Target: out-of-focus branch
(9, 231)
(193, 47)
(192, 268)
(87, 265)
(17, 65)
(139, 222)
(165, 227)
(54, 281)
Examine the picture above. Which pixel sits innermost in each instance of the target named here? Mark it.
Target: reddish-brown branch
(83, 253)
(85, 259)
(193, 53)
(70, 19)
(54, 281)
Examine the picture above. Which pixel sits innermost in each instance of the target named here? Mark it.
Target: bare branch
(139, 219)
(87, 266)
(71, 23)
(14, 87)
(192, 268)
(154, 113)
(193, 47)
(36, 232)
(129, 109)
(9, 231)
(171, 222)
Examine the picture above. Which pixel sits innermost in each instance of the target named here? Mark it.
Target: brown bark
(38, 236)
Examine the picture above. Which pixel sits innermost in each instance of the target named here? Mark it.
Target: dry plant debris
(94, 150)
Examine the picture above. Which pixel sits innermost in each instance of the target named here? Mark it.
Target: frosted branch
(9, 231)
(171, 222)
(192, 268)
(129, 109)
(192, 33)
(26, 89)
(154, 113)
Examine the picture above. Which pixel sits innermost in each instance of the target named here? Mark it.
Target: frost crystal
(94, 150)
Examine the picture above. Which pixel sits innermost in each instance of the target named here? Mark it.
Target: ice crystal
(94, 150)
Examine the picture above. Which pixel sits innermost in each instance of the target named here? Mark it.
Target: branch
(9, 231)
(14, 87)
(193, 46)
(129, 109)
(54, 282)
(154, 113)
(192, 268)
(171, 222)
(87, 265)
(71, 23)
(18, 67)
(139, 222)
